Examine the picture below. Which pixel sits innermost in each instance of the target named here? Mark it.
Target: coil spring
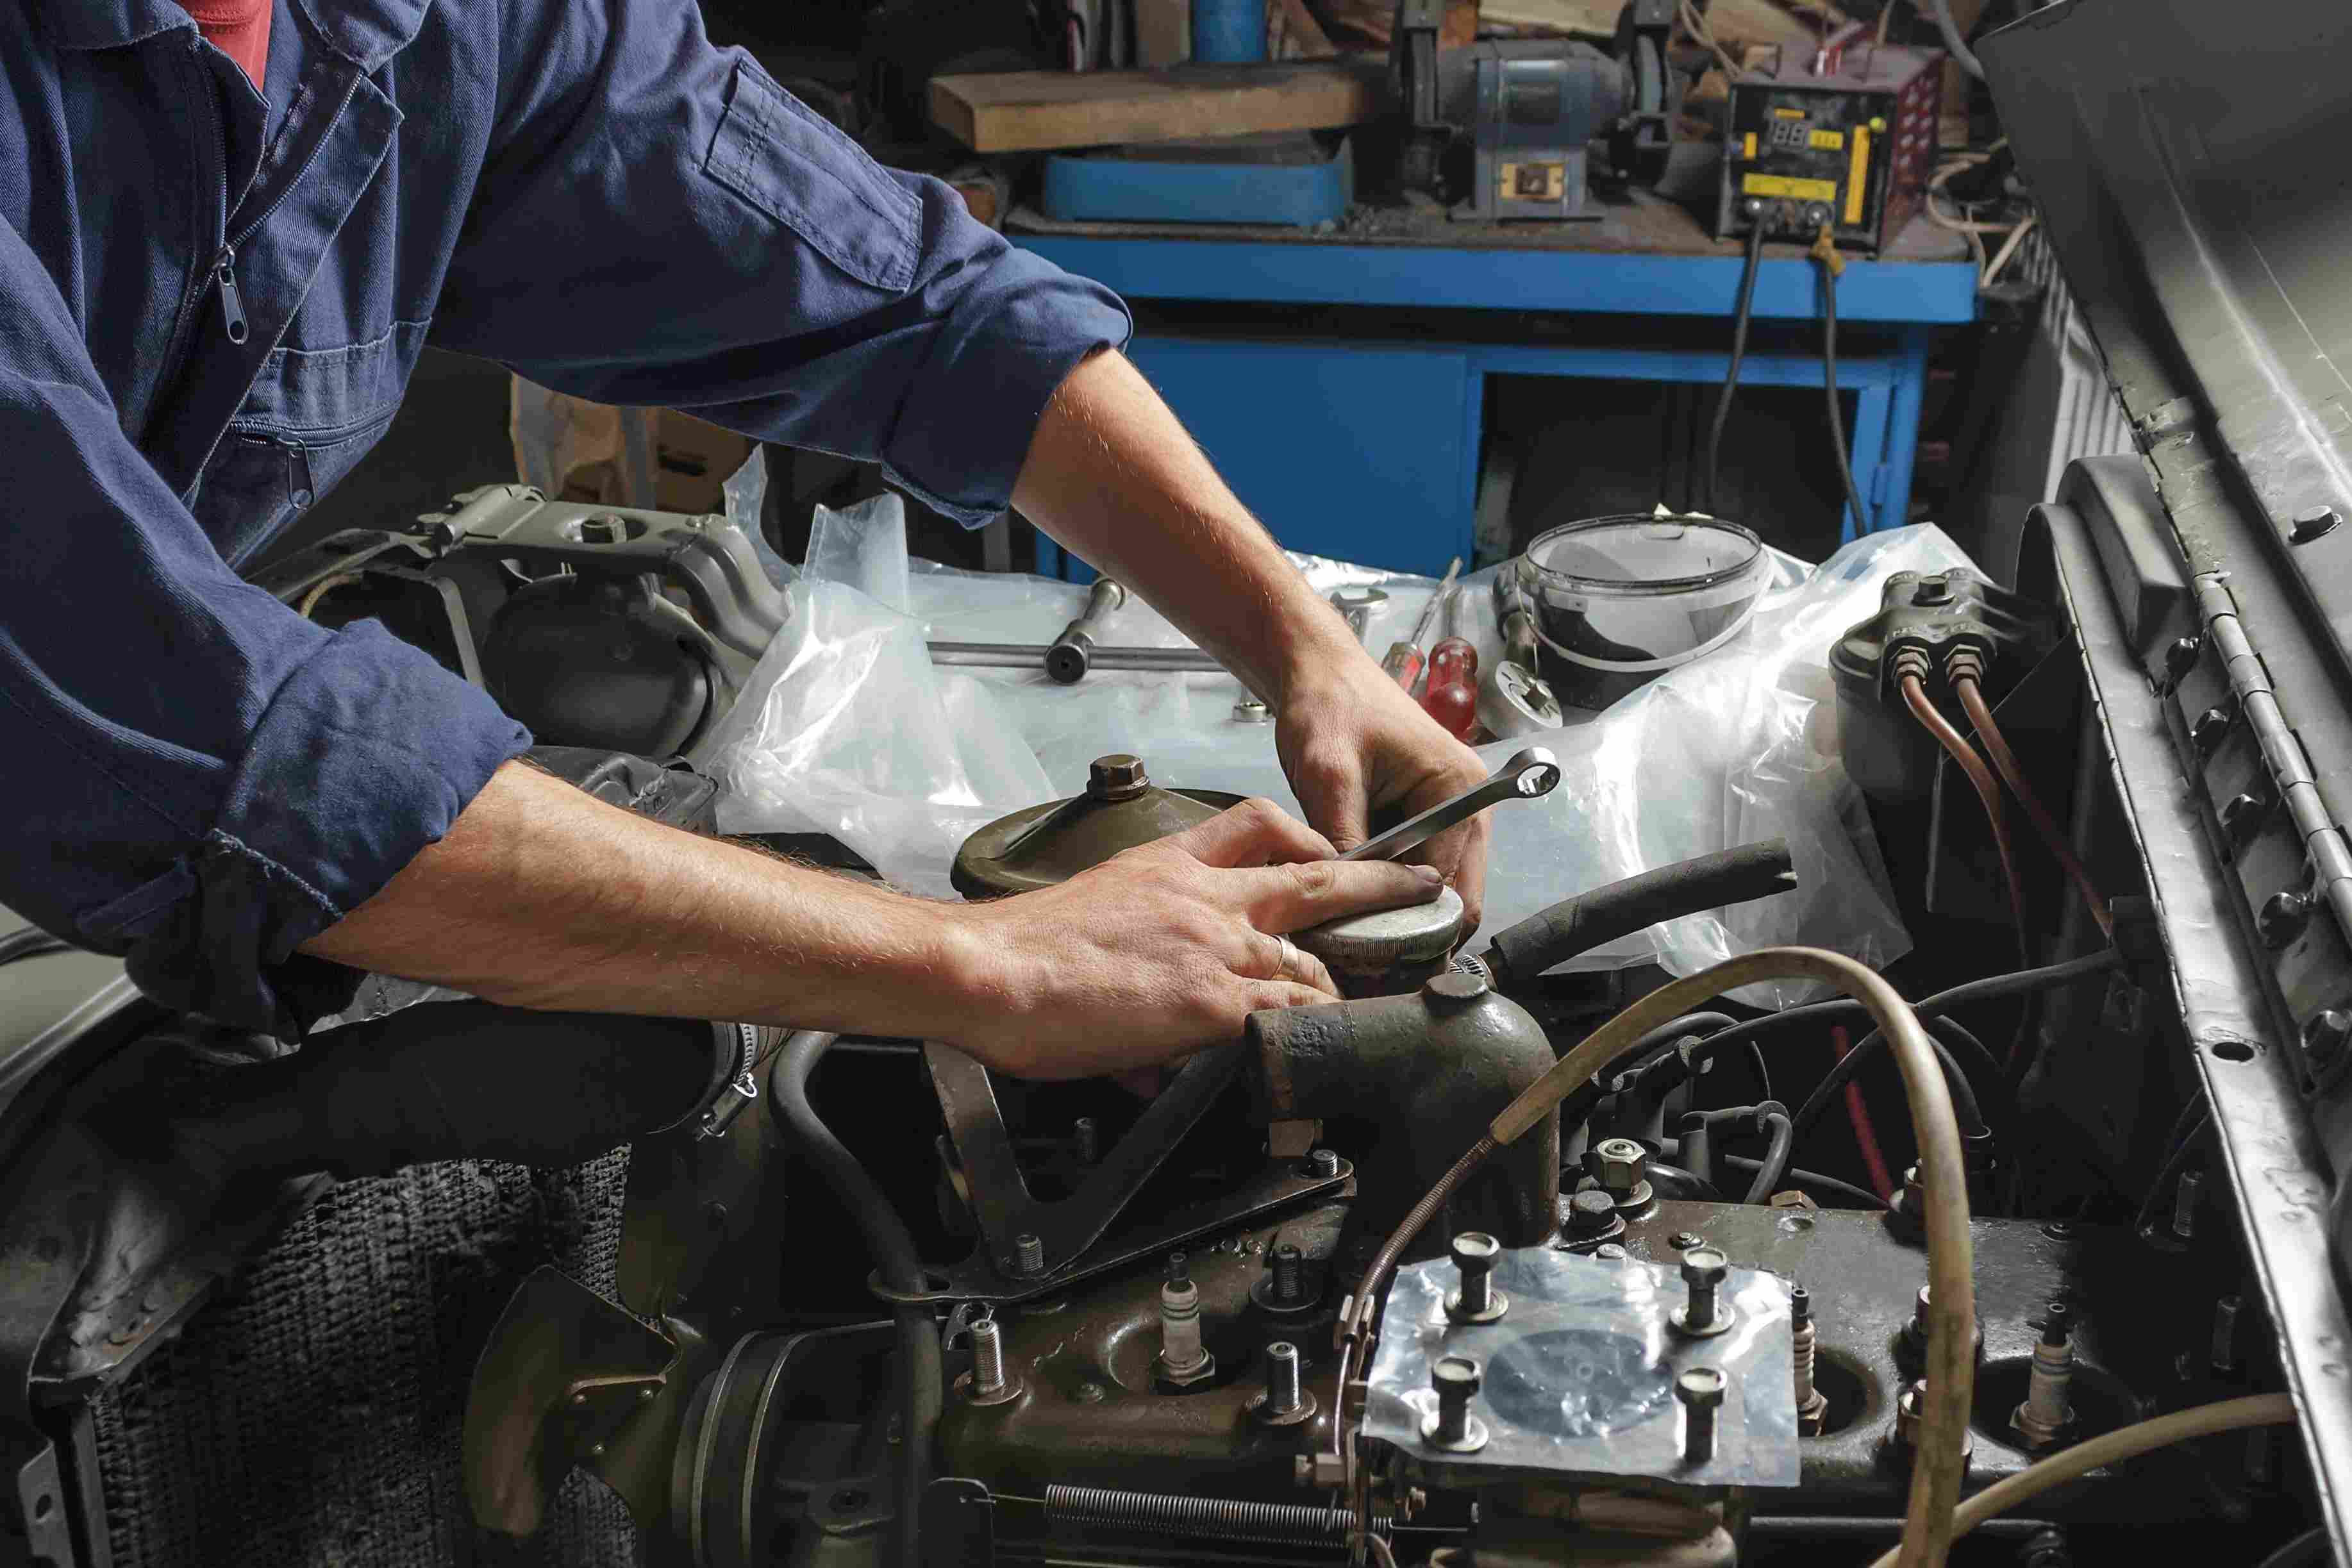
(1222, 1518)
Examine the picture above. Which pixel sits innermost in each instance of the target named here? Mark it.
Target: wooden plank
(1016, 111)
(1733, 21)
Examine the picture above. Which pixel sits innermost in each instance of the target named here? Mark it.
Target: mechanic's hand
(1165, 949)
(1354, 742)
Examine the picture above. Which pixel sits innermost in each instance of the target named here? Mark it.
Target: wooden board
(1018, 112)
(1733, 21)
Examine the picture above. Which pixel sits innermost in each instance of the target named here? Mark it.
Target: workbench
(1369, 448)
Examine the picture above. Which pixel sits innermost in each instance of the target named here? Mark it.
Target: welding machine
(1845, 136)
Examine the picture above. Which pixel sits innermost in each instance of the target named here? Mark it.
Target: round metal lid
(1040, 846)
(1416, 933)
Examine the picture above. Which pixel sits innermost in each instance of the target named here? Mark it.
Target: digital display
(1788, 134)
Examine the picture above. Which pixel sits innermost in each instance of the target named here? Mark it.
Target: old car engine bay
(1496, 1259)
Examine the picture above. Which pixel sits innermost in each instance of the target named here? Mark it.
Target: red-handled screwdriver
(1406, 659)
(1451, 697)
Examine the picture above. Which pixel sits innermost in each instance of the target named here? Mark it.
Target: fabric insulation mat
(847, 728)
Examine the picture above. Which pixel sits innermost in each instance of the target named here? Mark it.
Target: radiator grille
(311, 1415)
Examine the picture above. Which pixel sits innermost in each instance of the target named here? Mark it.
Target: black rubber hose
(921, 1378)
(1858, 1196)
(1739, 352)
(1550, 938)
(1775, 1164)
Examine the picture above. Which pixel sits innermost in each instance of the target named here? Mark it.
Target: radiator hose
(922, 1386)
(1551, 937)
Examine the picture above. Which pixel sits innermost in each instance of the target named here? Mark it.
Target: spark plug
(1183, 1358)
(1812, 1405)
(2047, 1411)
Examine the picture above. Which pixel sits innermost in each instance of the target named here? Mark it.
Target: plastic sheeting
(848, 729)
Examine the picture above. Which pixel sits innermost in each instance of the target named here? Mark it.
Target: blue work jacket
(211, 299)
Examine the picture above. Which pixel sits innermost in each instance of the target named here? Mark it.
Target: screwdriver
(1452, 697)
(1406, 659)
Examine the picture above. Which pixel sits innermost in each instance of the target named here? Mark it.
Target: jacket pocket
(791, 164)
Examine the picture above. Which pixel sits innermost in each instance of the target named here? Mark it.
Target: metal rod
(1031, 656)
(1223, 1518)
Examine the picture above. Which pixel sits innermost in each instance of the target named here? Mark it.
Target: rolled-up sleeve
(657, 222)
(198, 778)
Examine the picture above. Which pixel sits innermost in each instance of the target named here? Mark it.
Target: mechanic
(229, 230)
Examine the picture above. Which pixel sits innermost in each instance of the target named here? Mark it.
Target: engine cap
(1040, 846)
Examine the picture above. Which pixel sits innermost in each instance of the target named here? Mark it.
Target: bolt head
(1684, 1240)
(1454, 1376)
(1700, 1388)
(1117, 776)
(2282, 918)
(1590, 1212)
(2326, 1035)
(1619, 1165)
(1453, 988)
(2314, 522)
(2180, 657)
(1610, 1252)
(1475, 1251)
(2209, 730)
(1324, 1162)
(1704, 1267)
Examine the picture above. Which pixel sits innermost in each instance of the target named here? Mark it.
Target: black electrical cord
(1828, 380)
(1942, 1034)
(1860, 1197)
(1775, 1164)
(1820, 1015)
(921, 1378)
(1739, 352)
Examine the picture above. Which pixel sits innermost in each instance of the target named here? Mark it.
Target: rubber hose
(1775, 1164)
(1739, 316)
(922, 1382)
(1551, 937)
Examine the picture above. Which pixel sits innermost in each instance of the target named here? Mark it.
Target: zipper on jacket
(232, 302)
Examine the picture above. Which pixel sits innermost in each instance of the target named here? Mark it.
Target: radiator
(310, 1416)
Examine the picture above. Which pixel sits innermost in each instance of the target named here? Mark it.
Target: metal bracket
(1062, 1235)
(718, 569)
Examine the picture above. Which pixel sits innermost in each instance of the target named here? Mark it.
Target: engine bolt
(1286, 1283)
(1285, 1401)
(1620, 1165)
(1323, 1164)
(2282, 918)
(2312, 522)
(1477, 1300)
(1085, 1139)
(1703, 1313)
(2208, 729)
(2185, 1199)
(2226, 1312)
(2180, 659)
(988, 1382)
(1455, 1378)
(1684, 1240)
(1700, 1392)
(1028, 1255)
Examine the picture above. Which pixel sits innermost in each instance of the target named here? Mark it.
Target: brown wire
(1988, 731)
(1957, 745)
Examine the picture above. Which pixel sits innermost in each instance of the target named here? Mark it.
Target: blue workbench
(1369, 451)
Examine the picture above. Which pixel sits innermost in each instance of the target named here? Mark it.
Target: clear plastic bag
(848, 729)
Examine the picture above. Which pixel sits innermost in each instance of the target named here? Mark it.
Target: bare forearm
(542, 896)
(1112, 474)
